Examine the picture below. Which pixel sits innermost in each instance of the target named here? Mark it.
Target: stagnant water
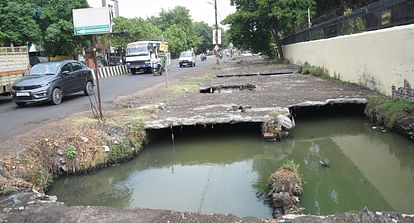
(218, 173)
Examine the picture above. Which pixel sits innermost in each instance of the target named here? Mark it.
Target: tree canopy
(174, 26)
(204, 32)
(178, 29)
(18, 25)
(130, 30)
(259, 25)
(47, 23)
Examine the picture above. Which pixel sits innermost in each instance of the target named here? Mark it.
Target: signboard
(214, 37)
(90, 21)
(163, 47)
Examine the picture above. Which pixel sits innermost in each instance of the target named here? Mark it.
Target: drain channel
(227, 89)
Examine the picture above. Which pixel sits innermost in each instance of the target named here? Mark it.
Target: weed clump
(321, 72)
(291, 166)
(390, 112)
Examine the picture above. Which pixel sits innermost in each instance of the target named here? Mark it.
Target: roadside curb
(105, 72)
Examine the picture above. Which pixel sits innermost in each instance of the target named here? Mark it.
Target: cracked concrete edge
(331, 102)
(250, 115)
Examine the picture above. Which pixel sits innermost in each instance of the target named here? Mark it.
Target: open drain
(227, 88)
(281, 72)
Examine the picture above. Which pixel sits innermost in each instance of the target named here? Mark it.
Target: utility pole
(103, 3)
(100, 114)
(215, 13)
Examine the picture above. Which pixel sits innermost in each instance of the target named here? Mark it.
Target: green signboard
(91, 30)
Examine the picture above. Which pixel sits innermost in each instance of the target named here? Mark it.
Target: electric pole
(103, 3)
(215, 13)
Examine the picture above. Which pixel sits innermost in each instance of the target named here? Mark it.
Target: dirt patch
(44, 211)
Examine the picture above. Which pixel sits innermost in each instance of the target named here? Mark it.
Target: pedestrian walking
(216, 52)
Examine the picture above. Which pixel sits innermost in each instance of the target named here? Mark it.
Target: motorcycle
(203, 57)
(157, 69)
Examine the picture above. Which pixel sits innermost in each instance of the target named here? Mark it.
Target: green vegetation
(46, 23)
(263, 186)
(291, 165)
(259, 26)
(71, 152)
(352, 25)
(174, 26)
(7, 190)
(85, 144)
(120, 151)
(321, 72)
(191, 85)
(130, 30)
(49, 25)
(388, 111)
(40, 178)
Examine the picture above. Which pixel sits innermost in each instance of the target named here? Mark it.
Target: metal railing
(378, 15)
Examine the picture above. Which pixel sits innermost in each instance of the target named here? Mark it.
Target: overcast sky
(200, 10)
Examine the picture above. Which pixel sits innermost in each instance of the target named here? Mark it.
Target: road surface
(15, 120)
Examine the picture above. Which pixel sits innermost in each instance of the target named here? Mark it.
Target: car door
(68, 79)
(80, 76)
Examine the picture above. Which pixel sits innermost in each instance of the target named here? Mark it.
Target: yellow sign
(164, 47)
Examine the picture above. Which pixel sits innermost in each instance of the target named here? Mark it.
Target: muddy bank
(44, 209)
(79, 146)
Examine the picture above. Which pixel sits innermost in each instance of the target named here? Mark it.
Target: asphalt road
(15, 120)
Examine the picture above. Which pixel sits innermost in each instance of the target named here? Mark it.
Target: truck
(146, 56)
(14, 62)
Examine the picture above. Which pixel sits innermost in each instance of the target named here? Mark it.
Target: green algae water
(221, 172)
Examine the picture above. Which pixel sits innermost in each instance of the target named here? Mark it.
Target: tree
(56, 23)
(130, 30)
(177, 39)
(257, 24)
(18, 25)
(179, 16)
(204, 32)
(178, 29)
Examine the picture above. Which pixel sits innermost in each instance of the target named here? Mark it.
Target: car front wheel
(88, 88)
(57, 96)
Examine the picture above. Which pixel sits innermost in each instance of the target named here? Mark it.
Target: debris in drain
(277, 127)
(227, 88)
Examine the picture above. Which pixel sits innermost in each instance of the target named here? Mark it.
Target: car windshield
(138, 51)
(44, 69)
(185, 54)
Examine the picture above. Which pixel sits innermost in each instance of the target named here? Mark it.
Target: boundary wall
(377, 59)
